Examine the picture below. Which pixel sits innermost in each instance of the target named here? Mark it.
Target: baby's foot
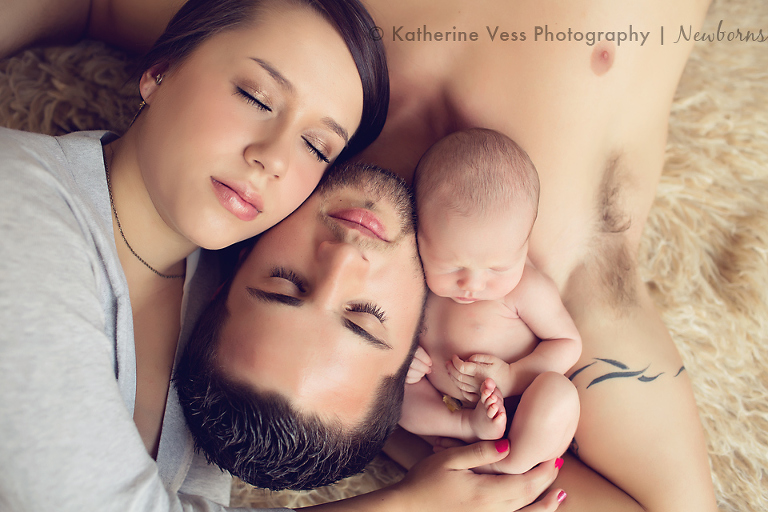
(489, 418)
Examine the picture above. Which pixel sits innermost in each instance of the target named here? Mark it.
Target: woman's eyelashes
(321, 157)
(312, 147)
(251, 100)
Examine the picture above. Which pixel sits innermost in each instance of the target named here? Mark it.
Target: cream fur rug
(704, 254)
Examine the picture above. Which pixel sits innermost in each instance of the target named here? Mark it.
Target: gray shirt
(67, 355)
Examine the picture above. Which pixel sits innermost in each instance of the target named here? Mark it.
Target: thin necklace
(120, 228)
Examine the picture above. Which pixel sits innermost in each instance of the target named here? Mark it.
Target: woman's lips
(362, 220)
(239, 199)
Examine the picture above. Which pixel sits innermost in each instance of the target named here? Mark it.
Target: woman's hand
(445, 481)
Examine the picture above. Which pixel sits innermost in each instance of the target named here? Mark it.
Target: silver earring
(158, 79)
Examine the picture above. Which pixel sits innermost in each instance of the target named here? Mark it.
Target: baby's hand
(469, 375)
(420, 366)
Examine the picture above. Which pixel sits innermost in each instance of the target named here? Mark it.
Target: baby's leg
(424, 413)
(489, 417)
(543, 425)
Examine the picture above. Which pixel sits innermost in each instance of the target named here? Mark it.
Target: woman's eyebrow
(274, 73)
(287, 85)
(336, 128)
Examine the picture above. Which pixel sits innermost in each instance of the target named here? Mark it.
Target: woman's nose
(270, 155)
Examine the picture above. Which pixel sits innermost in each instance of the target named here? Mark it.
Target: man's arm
(129, 24)
(639, 425)
(28, 22)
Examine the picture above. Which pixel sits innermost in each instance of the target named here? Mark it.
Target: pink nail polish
(502, 445)
(561, 496)
(559, 463)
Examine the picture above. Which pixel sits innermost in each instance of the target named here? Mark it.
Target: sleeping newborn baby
(497, 322)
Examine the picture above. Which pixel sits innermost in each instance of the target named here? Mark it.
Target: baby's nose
(472, 283)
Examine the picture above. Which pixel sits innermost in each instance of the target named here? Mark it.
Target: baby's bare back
(483, 327)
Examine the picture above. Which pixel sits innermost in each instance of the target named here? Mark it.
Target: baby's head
(477, 196)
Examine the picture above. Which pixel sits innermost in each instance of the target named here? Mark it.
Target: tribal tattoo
(619, 370)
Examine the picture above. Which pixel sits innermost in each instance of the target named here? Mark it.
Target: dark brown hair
(197, 20)
(260, 437)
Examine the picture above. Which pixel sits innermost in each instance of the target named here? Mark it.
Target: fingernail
(559, 463)
(561, 496)
(502, 445)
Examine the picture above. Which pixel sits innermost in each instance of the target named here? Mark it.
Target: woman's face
(236, 136)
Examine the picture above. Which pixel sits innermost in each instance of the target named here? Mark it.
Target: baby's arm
(537, 302)
(539, 305)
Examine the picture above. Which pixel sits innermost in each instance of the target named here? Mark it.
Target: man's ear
(151, 80)
(246, 246)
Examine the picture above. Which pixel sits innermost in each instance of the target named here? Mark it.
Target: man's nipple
(602, 57)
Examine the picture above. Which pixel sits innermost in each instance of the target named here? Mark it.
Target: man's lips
(362, 220)
(239, 198)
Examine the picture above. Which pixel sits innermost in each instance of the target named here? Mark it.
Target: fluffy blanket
(704, 253)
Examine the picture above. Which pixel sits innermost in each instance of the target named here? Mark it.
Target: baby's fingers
(422, 356)
(483, 359)
(460, 370)
(418, 367)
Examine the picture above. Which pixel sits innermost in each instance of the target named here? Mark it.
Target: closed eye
(321, 157)
(291, 276)
(251, 100)
(371, 309)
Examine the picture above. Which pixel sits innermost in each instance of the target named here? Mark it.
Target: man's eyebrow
(279, 78)
(274, 298)
(368, 337)
(336, 128)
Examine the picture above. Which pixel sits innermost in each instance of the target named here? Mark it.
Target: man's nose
(343, 270)
(472, 282)
(270, 154)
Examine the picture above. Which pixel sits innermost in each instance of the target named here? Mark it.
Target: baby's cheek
(439, 285)
(499, 289)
